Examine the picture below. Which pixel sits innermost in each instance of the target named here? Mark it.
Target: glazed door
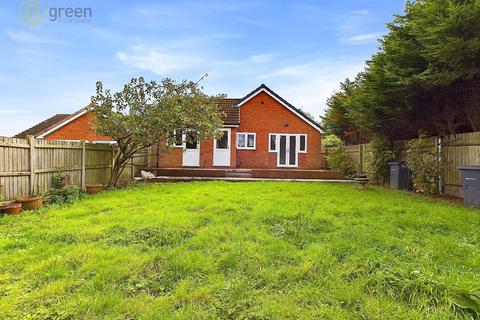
(221, 149)
(191, 150)
(287, 151)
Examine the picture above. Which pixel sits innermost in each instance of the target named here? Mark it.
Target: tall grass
(266, 250)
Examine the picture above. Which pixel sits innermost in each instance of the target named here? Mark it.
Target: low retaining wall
(256, 173)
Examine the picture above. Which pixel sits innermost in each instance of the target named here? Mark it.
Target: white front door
(221, 148)
(287, 150)
(191, 150)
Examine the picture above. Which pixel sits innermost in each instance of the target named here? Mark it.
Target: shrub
(62, 191)
(331, 141)
(382, 154)
(338, 160)
(426, 163)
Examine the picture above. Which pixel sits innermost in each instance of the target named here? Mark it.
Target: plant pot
(362, 180)
(13, 209)
(4, 204)
(94, 188)
(31, 203)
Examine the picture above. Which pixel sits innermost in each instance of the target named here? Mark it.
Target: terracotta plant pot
(13, 209)
(94, 188)
(31, 203)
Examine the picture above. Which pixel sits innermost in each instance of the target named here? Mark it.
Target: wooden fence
(28, 165)
(458, 150)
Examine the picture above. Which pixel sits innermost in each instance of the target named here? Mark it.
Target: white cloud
(156, 60)
(261, 58)
(361, 12)
(309, 85)
(13, 112)
(29, 38)
(364, 37)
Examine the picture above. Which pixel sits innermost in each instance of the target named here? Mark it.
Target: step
(238, 173)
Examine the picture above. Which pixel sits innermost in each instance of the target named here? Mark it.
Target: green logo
(31, 12)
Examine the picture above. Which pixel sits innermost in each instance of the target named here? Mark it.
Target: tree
(146, 113)
(337, 119)
(425, 76)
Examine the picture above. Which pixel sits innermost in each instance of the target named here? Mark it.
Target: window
(299, 140)
(246, 140)
(176, 138)
(302, 144)
(222, 143)
(191, 140)
(272, 145)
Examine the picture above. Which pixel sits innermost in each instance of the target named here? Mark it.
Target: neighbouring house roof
(36, 129)
(285, 103)
(62, 123)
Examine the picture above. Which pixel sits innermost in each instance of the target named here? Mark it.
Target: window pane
(178, 138)
(283, 149)
(241, 140)
(293, 151)
(302, 143)
(273, 142)
(191, 140)
(251, 141)
(222, 143)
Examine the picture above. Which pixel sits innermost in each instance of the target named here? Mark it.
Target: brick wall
(262, 115)
(78, 129)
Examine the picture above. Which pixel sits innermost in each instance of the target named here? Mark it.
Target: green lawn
(263, 250)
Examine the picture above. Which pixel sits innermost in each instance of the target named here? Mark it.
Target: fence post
(84, 165)
(440, 155)
(132, 170)
(31, 142)
(113, 160)
(360, 150)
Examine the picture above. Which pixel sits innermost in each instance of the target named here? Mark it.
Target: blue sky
(302, 50)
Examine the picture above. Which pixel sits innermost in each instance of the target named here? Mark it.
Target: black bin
(471, 185)
(399, 175)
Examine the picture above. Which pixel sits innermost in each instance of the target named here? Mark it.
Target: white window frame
(174, 145)
(246, 141)
(276, 142)
(297, 137)
(306, 143)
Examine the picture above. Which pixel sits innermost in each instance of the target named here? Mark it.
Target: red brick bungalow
(260, 131)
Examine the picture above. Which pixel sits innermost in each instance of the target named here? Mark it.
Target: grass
(263, 250)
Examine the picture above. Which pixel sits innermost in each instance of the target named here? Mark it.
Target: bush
(62, 191)
(338, 160)
(426, 164)
(331, 141)
(382, 154)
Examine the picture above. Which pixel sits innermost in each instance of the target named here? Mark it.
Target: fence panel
(28, 165)
(460, 149)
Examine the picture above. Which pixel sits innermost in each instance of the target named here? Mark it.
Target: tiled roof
(36, 129)
(230, 110)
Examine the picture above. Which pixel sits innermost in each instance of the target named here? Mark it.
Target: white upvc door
(222, 148)
(287, 155)
(191, 149)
